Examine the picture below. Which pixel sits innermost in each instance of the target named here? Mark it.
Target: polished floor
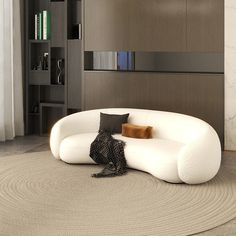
(35, 144)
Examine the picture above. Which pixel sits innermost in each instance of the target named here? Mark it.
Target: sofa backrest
(166, 125)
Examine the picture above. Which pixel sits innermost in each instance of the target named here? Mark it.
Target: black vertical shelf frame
(46, 97)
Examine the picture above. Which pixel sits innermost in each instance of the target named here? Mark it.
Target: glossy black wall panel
(155, 61)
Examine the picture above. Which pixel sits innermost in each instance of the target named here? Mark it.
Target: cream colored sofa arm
(67, 126)
(62, 129)
(200, 160)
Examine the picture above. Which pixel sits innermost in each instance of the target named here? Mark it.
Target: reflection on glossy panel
(155, 61)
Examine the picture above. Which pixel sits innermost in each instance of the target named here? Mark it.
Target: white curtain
(11, 84)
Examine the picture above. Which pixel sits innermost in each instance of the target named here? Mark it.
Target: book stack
(105, 60)
(42, 26)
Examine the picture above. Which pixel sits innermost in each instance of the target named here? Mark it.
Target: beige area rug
(43, 196)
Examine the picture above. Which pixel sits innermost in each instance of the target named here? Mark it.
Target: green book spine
(40, 26)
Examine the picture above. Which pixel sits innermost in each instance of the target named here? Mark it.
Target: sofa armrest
(62, 129)
(80, 122)
(199, 161)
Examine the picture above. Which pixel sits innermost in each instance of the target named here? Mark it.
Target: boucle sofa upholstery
(183, 148)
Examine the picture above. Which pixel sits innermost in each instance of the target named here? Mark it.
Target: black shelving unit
(49, 113)
(46, 97)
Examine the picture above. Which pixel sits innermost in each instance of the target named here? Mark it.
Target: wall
(230, 75)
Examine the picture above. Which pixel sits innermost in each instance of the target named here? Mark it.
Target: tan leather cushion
(136, 131)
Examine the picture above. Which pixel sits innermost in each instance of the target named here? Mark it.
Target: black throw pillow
(112, 123)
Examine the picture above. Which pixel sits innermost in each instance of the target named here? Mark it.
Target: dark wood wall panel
(106, 24)
(205, 25)
(157, 25)
(200, 95)
(135, 25)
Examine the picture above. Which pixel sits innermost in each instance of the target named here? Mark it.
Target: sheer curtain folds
(11, 84)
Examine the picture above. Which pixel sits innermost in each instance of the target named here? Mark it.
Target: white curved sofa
(183, 148)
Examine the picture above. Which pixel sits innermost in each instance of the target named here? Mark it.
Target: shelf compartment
(36, 54)
(57, 75)
(33, 114)
(74, 13)
(34, 7)
(52, 94)
(33, 123)
(33, 102)
(39, 77)
(50, 113)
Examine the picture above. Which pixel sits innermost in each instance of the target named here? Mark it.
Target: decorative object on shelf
(105, 60)
(42, 64)
(35, 108)
(77, 31)
(45, 61)
(58, 71)
(35, 67)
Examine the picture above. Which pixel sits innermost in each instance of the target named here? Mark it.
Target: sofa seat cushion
(155, 156)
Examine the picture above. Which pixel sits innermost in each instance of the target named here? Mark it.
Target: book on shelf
(105, 60)
(46, 25)
(35, 26)
(42, 26)
(80, 31)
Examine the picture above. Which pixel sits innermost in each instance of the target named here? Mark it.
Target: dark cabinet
(53, 66)
(205, 26)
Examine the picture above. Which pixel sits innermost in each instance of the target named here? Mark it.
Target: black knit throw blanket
(110, 152)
